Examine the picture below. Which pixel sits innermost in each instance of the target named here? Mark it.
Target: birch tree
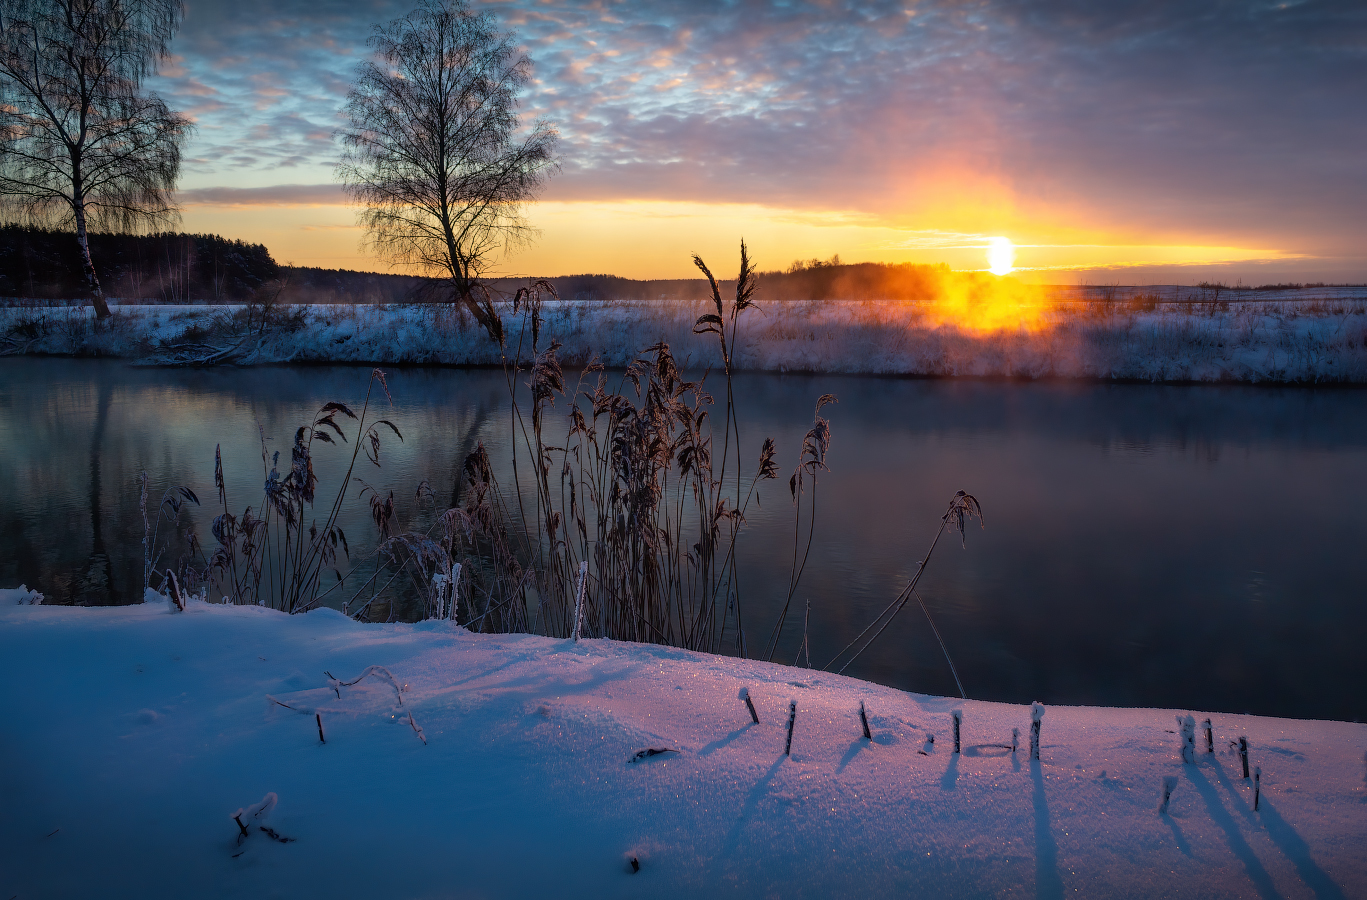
(82, 144)
(435, 153)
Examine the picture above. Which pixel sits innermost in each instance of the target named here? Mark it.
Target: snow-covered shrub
(1186, 727)
(1036, 716)
(21, 596)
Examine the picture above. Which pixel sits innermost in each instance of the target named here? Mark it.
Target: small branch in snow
(648, 752)
(1257, 786)
(371, 671)
(958, 715)
(322, 739)
(792, 717)
(1243, 754)
(864, 721)
(1015, 739)
(1210, 736)
(417, 729)
(749, 704)
(256, 813)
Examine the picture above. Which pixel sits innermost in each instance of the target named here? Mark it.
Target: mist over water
(1192, 547)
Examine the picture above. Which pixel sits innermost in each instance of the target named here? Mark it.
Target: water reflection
(1145, 545)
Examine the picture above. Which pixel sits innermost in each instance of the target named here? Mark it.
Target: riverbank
(131, 735)
(1320, 341)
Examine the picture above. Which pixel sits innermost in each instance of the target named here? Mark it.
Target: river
(1164, 546)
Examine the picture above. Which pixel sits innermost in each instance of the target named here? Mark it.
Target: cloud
(1199, 118)
(277, 195)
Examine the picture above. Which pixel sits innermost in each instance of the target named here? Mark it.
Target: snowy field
(130, 736)
(1320, 340)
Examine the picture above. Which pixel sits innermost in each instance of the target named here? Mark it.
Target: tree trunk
(92, 280)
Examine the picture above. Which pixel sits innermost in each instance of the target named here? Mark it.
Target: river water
(1173, 546)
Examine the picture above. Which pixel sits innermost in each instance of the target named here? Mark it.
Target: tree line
(45, 263)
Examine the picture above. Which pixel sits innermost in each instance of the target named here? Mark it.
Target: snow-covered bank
(129, 736)
(1309, 342)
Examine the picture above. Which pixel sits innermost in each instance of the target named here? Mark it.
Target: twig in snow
(1169, 785)
(648, 752)
(257, 813)
(1036, 714)
(792, 717)
(958, 715)
(1210, 736)
(274, 835)
(928, 746)
(749, 704)
(1243, 754)
(864, 721)
(1015, 738)
(375, 671)
(417, 729)
(318, 717)
(1257, 786)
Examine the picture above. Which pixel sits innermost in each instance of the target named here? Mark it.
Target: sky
(1118, 142)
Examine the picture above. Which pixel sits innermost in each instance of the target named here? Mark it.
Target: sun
(1001, 255)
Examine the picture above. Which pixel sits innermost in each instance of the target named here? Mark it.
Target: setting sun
(1001, 256)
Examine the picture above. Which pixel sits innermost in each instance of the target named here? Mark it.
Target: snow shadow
(1289, 841)
(950, 779)
(716, 745)
(1262, 881)
(1177, 835)
(855, 746)
(752, 801)
(1048, 882)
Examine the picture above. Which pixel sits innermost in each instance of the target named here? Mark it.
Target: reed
(279, 555)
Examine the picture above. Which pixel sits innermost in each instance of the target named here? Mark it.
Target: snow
(21, 596)
(1319, 339)
(129, 735)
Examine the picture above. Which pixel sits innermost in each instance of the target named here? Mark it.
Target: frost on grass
(1320, 339)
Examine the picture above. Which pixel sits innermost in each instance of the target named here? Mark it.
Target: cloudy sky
(1121, 141)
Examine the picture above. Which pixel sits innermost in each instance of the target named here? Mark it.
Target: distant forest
(183, 268)
(174, 268)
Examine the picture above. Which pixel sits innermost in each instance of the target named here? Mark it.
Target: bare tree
(434, 151)
(82, 145)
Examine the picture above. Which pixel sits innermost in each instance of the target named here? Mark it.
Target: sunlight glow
(1001, 256)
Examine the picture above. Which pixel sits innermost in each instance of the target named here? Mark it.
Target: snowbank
(130, 736)
(1308, 341)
